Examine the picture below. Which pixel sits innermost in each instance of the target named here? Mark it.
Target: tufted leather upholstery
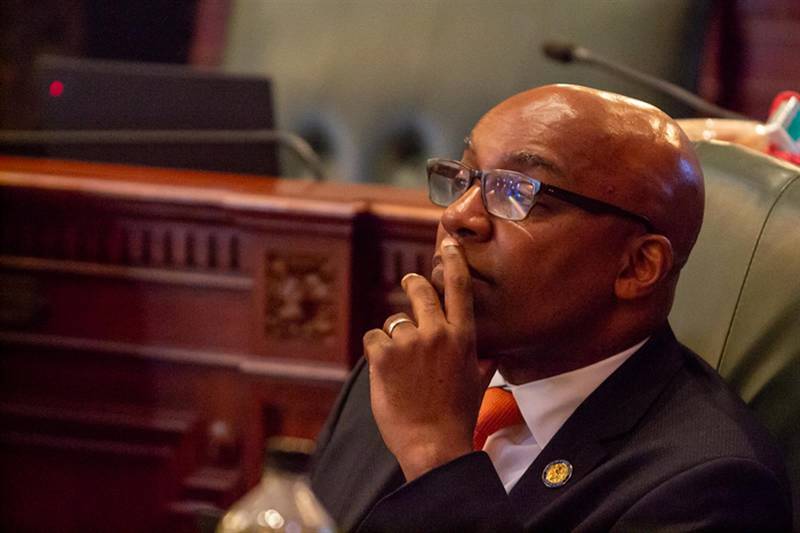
(738, 300)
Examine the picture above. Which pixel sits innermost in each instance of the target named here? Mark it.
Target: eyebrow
(521, 158)
(526, 159)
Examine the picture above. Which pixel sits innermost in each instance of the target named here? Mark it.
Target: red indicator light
(56, 88)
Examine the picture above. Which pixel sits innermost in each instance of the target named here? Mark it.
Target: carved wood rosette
(299, 301)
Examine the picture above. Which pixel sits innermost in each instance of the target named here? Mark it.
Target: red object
(498, 410)
(786, 156)
(56, 88)
(773, 150)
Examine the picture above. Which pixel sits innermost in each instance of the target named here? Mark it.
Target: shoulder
(698, 409)
(700, 436)
(352, 469)
(723, 494)
(350, 413)
(693, 454)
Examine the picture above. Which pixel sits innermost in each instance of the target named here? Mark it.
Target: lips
(475, 274)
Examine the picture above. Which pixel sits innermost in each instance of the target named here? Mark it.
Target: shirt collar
(547, 403)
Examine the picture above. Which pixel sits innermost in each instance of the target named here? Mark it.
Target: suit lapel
(610, 411)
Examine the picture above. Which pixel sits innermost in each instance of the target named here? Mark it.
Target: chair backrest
(738, 299)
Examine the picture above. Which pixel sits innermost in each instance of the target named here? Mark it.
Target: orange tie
(498, 410)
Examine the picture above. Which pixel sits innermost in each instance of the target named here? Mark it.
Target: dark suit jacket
(661, 444)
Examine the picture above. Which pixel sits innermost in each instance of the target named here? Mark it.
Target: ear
(647, 261)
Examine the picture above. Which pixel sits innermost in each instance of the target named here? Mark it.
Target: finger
(457, 284)
(374, 341)
(424, 300)
(396, 322)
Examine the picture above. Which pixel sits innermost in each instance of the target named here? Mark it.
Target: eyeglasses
(508, 194)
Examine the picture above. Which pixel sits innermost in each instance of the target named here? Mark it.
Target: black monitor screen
(81, 94)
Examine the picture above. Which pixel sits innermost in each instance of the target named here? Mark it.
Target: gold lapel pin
(556, 474)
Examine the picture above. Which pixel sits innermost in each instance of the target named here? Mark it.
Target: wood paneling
(157, 326)
(751, 54)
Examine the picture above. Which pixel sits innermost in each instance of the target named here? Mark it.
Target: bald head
(581, 273)
(610, 147)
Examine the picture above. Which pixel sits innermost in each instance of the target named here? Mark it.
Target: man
(553, 278)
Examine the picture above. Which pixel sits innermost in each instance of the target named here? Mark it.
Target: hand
(426, 383)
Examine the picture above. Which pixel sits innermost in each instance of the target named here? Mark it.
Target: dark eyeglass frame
(584, 202)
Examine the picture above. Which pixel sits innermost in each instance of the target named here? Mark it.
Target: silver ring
(396, 322)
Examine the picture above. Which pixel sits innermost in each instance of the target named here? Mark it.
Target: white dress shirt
(545, 405)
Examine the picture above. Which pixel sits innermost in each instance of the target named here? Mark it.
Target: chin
(497, 339)
(488, 344)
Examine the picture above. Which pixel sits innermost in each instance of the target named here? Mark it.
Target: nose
(467, 219)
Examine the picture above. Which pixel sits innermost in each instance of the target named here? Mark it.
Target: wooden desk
(157, 325)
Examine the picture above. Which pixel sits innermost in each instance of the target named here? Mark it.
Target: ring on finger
(396, 322)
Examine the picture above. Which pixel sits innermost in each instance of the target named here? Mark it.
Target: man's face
(550, 276)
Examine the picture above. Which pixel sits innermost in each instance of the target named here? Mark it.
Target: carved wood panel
(154, 334)
(303, 299)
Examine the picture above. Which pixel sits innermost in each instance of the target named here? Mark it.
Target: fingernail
(449, 241)
(405, 278)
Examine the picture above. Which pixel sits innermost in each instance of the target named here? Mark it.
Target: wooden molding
(276, 368)
(200, 280)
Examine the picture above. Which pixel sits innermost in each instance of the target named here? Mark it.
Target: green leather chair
(738, 300)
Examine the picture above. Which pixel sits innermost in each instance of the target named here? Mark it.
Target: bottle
(283, 500)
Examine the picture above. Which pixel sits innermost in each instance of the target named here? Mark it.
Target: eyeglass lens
(508, 196)
(446, 182)
(505, 194)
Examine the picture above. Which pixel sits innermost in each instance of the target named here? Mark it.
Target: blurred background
(157, 325)
(377, 86)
